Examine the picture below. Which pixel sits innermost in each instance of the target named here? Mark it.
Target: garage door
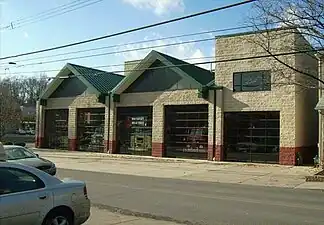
(252, 136)
(134, 130)
(186, 131)
(56, 128)
(90, 129)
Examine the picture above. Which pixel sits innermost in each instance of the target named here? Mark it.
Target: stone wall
(72, 104)
(282, 96)
(158, 100)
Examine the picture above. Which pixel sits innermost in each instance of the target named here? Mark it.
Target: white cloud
(159, 7)
(189, 52)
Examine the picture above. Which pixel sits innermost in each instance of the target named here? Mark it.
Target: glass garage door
(186, 131)
(252, 136)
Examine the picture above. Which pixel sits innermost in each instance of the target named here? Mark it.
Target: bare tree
(10, 113)
(26, 90)
(305, 19)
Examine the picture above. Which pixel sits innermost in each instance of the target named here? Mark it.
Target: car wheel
(58, 218)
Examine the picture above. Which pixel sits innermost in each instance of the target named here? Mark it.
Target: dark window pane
(237, 88)
(273, 132)
(266, 81)
(237, 79)
(16, 180)
(252, 81)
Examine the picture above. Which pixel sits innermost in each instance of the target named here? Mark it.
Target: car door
(23, 197)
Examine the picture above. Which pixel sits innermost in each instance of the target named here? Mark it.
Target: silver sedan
(32, 197)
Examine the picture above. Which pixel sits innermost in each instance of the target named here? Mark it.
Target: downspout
(108, 129)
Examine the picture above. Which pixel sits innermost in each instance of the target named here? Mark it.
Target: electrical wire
(118, 52)
(135, 43)
(131, 30)
(44, 16)
(206, 62)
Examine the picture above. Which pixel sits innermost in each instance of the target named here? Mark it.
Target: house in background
(251, 110)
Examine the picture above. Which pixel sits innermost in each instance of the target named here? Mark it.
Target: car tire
(60, 216)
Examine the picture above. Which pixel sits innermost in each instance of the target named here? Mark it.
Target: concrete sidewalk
(199, 170)
(105, 217)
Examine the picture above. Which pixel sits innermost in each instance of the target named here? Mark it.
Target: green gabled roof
(199, 74)
(103, 81)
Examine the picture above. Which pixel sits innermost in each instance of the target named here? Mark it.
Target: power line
(135, 43)
(131, 30)
(50, 13)
(118, 52)
(207, 62)
(110, 65)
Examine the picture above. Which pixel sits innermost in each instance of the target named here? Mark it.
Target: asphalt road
(194, 202)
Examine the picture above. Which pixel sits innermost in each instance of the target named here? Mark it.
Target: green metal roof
(103, 81)
(201, 75)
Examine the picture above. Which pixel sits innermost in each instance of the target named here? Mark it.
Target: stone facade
(158, 100)
(297, 117)
(72, 104)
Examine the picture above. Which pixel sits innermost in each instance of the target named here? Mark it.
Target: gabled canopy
(196, 74)
(98, 81)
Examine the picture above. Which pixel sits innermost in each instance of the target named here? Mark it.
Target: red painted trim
(39, 142)
(157, 149)
(210, 151)
(72, 144)
(288, 155)
(219, 153)
(110, 147)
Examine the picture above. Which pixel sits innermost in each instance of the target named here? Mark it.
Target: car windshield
(14, 153)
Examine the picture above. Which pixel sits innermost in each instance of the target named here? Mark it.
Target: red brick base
(210, 152)
(72, 144)
(39, 142)
(110, 147)
(157, 149)
(219, 153)
(288, 155)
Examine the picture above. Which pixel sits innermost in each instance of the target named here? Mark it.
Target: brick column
(211, 112)
(110, 141)
(72, 129)
(40, 125)
(158, 131)
(106, 130)
(287, 155)
(219, 148)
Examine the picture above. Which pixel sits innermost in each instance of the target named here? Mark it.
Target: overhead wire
(134, 43)
(44, 16)
(118, 52)
(131, 30)
(209, 62)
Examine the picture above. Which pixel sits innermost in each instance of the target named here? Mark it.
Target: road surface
(195, 202)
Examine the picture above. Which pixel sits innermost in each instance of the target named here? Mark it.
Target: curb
(105, 156)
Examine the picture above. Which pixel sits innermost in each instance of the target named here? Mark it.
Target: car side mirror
(37, 155)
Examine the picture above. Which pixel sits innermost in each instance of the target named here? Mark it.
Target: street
(197, 202)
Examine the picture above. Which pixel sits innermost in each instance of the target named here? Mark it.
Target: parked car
(21, 131)
(2, 153)
(22, 155)
(32, 197)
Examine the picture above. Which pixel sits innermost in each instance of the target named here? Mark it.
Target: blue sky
(106, 17)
